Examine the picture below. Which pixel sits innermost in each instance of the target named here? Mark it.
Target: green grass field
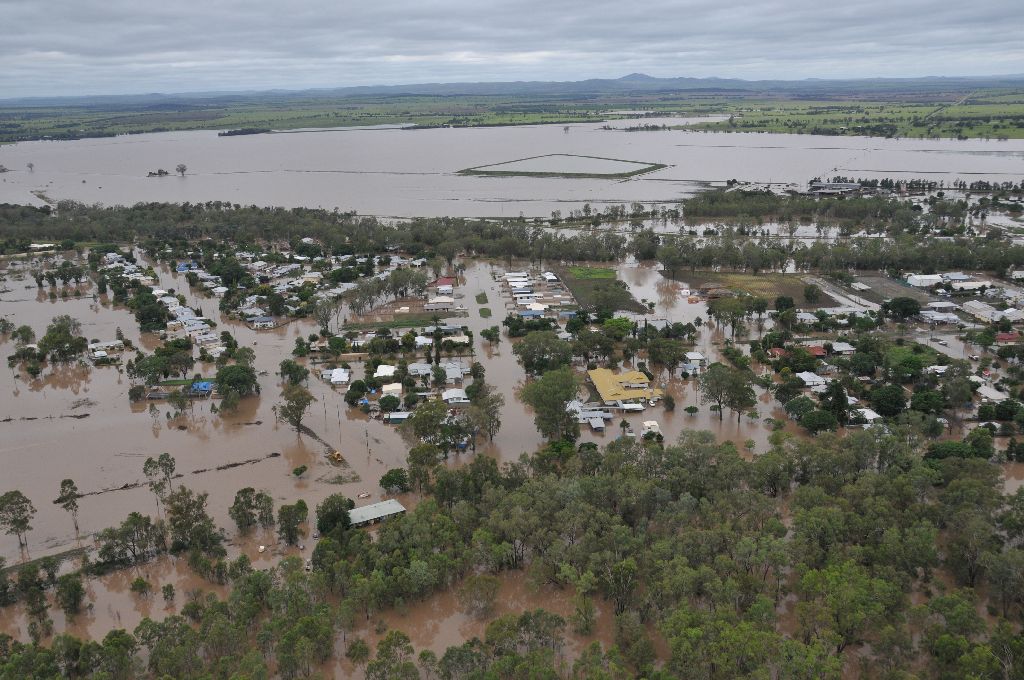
(996, 116)
(993, 112)
(765, 285)
(584, 273)
(597, 287)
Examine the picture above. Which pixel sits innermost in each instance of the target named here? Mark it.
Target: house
(806, 317)
(445, 290)
(1008, 338)
(419, 369)
(340, 376)
(860, 287)
(843, 348)
(923, 280)
(385, 371)
(930, 316)
(375, 512)
(956, 277)
(261, 322)
(445, 282)
(550, 277)
(201, 388)
(422, 341)
(651, 426)
(987, 313)
(440, 303)
(968, 286)
(455, 395)
(391, 390)
(397, 417)
(991, 394)
(111, 346)
(816, 351)
(696, 358)
(811, 379)
(586, 412)
(943, 306)
(625, 387)
(777, 352)
(453, 372)
(1017, 274)
(869, 416)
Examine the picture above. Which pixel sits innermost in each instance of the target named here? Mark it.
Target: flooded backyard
(404, 173)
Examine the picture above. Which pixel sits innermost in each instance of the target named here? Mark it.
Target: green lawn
(485, 312)
(481, 298)
(584, 273)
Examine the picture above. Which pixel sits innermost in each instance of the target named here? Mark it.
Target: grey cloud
(71, 47)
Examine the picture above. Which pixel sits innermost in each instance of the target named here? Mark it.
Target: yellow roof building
(626, 386)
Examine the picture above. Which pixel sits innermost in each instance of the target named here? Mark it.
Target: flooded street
(102, 448)
(395, 172)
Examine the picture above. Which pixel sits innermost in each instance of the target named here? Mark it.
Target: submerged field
(565, 165)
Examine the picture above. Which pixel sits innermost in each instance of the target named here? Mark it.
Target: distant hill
(637, 83)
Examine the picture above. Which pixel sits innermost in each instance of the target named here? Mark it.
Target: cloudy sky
(73, 47)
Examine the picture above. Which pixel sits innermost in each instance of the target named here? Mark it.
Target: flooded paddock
(396, 172)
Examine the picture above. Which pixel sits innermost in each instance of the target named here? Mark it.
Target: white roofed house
(384, 371)
(340, 376)
(455, 395)
(865, 416)
(440, 303)
(419, 369)
(369, 514)
(843, 348)
(923, 280)
(811, 379)
(986, 312)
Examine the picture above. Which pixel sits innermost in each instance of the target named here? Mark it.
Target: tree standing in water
(69, 500)
(16, 512)
(181, 169)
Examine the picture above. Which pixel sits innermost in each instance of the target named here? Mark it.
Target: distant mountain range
(634, 83)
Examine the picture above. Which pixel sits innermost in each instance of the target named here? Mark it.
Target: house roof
(613, 387)
(375, 511)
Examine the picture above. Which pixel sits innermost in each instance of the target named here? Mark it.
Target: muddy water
(413, 172)
(105, 451)
(439, 622)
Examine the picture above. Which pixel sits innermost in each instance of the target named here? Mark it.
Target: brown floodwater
(104, 451)
(394, 172)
